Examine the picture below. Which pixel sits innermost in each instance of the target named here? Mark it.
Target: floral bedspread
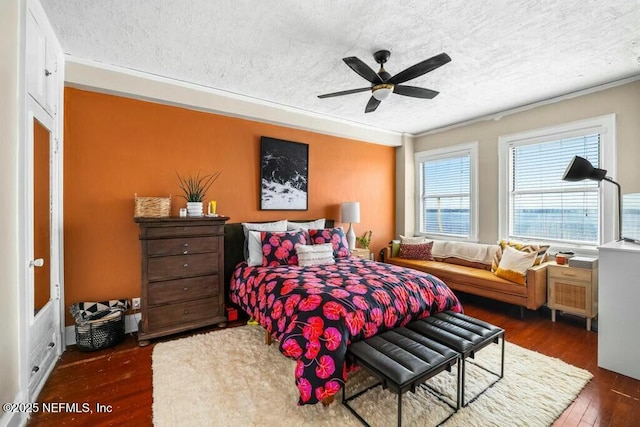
(316, 312)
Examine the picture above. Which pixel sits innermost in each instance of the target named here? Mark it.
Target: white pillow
(413, 240)
(252, 242)
(514, 265)
(318, 224)
(315, 254)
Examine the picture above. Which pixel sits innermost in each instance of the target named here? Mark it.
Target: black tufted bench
(401, 359)
(464, 334)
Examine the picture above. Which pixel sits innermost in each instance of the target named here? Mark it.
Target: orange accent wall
(115, 147)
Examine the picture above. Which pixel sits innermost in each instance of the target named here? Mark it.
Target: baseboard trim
(130, 325)
(14, 419)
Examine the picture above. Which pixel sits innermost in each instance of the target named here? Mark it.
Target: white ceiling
(504, 54)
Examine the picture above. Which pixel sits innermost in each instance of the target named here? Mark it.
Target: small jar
(561, 259)
(183, 212)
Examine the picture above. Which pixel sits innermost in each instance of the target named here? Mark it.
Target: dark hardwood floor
(120, 378)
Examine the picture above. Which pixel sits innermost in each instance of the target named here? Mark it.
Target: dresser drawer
(175, 314)
(183, 289)
(569, 273)
(196, 230)
(169, 267)
(183, 245)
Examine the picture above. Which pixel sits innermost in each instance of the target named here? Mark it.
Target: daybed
(316, 311)
(466, 267)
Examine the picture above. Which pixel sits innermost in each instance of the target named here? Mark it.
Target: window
(446, 189)
(536, 204)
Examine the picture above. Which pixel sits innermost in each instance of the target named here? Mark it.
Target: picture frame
(284, 175)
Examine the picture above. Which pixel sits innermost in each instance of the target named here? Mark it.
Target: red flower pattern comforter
(316, 312)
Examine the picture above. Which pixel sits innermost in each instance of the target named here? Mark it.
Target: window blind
(446, 185)
(542, 205)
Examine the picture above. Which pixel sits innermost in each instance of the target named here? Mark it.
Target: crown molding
(499, 115)
(113, 80)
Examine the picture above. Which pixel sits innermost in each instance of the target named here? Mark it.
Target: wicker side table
(572, 290)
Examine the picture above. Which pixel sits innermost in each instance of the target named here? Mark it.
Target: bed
(315, 312)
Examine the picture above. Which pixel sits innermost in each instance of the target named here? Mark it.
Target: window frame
(458, 150)
(607, 214)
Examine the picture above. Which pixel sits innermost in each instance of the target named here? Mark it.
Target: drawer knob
(186, 312)
(35, 369)
(185, 252)
(51, 345)
(185, 265)
(186, 245)
(185, 289)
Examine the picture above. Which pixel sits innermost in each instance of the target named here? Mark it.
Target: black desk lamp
(580, 168)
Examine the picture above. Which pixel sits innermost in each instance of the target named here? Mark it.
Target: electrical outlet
(135, 303)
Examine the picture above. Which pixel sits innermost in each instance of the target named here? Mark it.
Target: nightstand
(572, 290)
(362, 253)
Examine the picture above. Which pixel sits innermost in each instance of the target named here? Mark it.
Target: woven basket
(152, 207)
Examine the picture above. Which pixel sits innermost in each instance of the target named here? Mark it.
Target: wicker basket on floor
(152, 207)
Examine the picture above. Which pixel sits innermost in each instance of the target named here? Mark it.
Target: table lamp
(351, 214)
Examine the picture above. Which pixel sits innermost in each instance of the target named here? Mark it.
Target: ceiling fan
(382, 84)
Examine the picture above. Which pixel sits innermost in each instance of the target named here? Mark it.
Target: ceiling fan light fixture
(382, 91)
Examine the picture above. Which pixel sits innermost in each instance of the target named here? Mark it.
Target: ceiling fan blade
(344, 92)
(371, 105)
(420, 68)
(362, 69)
(415, 92)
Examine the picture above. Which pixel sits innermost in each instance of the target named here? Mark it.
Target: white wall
(10, 107)
(623, 100)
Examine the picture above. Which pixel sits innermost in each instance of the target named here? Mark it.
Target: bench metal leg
(399, 409)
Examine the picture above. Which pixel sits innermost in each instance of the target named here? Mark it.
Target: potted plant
(365, 239)
(195, 188)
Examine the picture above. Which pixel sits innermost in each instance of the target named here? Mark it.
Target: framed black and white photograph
(284, 171)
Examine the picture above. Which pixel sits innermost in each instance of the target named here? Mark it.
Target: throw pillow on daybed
(315, 254)
(514, 265)
(416, 251)
(279, 248)
(541, 251)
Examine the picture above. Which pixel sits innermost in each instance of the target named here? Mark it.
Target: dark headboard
(234, 248)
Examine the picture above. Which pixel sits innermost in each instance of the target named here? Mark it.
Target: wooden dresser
(182, 275)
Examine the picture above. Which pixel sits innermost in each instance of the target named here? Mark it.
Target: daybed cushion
(475, 277)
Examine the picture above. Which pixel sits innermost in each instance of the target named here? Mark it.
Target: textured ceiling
(504, 53)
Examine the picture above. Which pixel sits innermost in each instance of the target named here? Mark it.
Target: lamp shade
(350, 212)
(580, 168)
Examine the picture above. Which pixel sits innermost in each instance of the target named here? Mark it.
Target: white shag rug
(230, 378)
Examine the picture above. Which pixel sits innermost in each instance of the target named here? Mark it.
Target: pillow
(541, 251)
(514, 264)
(416, 251)
(317, 224)
(315, 254)
(335, 236)
(395, 248)
(413, 240)
(279, 248)
(252, 243)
